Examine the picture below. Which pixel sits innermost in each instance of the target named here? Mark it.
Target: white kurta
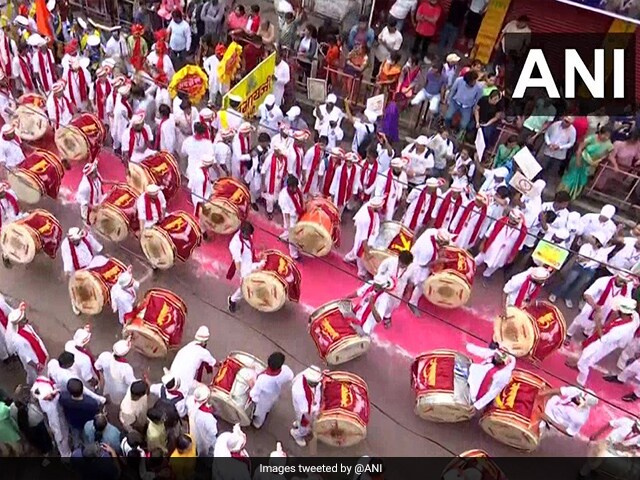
(515, 284)
(494, 211)
(22, 71)
(270, 119)
(84, 251)
(393, 193)
(188, 361)
(390, 268)
(73, 91)
(195, 150)
(203, 427)
(166, 130)
(61, 377)
(185, 120)
(465, 238)
(210, 66)
(123, 300)
(424, 252)
(289, 213)
(352, 176)
(45, 75)
(116, 48)
(177, 398)
(336, 115)
(238, 155)
(301, 405)
(167, 65)
(22, 347)
(266, 391)
(413, 199)
(419, 163)
(59, 110)
(363, 314)
(498, 252)
(82, 361)
(155, 214)
(7, 105)
(89, 195)
(282, 74)
(119, 122)
(118, 376)
(478, 371)
(6, 347)
(141, 148)
(11, 152)
(200, 185)
(307, 163)
(57, 423)
(561, 410)
(631, 376)
(365, 231)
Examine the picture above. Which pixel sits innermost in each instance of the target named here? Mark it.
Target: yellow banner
(550, 255)
(256, 85)
(490, 29)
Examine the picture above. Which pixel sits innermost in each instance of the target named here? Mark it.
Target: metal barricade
(616, 186)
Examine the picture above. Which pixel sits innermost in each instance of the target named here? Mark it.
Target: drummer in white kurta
(230, 445)
(10, 147)
(9, 205)
(313, 167)
(367, 226)
(504, 241)
(241, 151)
(47, 396)
(169, 389)
(467, 223)
(203, 425)
(6, 348)
(306, 394)
(59, 107)
(270, 115)
(371, 304)
(26, 343)
(78, 249)
(268, 386)
(192, 361)
(346, 178)
(122, 113)
(291, 204)
(123, 295)
(137, 139)
(488, 377)
(200, 184)
(568, 409)
(244, 260)
(151, 206)
(165, 137)
(196, 147)
(391, 185)
(83, 358)
(421, 202)
(79, 84)
(425, 251)
(273, 169)
(326, 114)
(524, 288)
(116, 373)
(89, 194)
(401, 269)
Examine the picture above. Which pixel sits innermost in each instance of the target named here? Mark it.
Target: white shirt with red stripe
(9, 208)
(478, 372)
(11, 153)
(165, 138)
(367, 223)
(268, 386)
(77, 257)
(118, 376)
(23, 72)
(200, 186)
(306, 400)
(123, 299)
(89, 192)
(43, 64)
(73, 89)
(59, 110)
(23, 348)
(141, 146)
(148, 218)
(362, 307)
(347, 173)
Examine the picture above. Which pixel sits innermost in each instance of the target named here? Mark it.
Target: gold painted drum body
(439, 380)
(392, 239)
(318, 229)
(336, 340)
(267, 290)
(117, 215)
(90, 288)
(231, 385)
(514, 416)
(160, 169)
(39, 174)
(227, 206)
(175, 236)
(344, 410)
(82, 139)
(156, 323)
(23, 238)
(449, 283)
(31, 118)
(535, 331)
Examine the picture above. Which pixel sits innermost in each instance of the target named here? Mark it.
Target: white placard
(316, 89)
(527, 163)
(480, 143)
(376, 104)
(522, 184)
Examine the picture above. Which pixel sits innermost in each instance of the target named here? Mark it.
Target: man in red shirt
(427, 17)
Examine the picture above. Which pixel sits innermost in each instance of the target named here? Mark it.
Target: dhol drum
(231, 385)
(90, 288)
(227, 206)
(31, 119)
(344, 410)
(160, 169)
(535, 331)
(23, 238)
(268, 289)
(39, 174)
(473, 459)
(176, 236)
(439, 380)
(318, 229)
(117, 215)
(514, 416)
(156, 323)
(449, 284)
(336, 340)
(82, 139)
(612, 463)
(392, 239)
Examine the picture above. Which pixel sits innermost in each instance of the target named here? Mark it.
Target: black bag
(367, 141)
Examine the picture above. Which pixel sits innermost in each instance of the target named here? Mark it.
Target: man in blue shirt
(463, 97)
(78, 409)
(361, 33)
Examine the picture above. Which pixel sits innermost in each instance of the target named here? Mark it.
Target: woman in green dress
(584, 162)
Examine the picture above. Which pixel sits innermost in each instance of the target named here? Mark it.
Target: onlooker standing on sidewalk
(451, 28)
(401, 9)
(389, 41)
(362, 33)
(212, 14)
(427, 16)
(474, 19)
(179, 40)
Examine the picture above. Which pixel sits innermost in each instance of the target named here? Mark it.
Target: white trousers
(419, 276)
(434, 100)
(628, 353)
(631, 376)
(590, 356)
(487, 271)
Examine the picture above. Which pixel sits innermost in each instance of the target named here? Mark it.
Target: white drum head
(72, 143)
(348, 349)
(157, 248)
(228, 410)
(137, 178)
(311, 238)
(373, 258)
(220, 217)
(438, 408)
(264, 292)
(86, 292)
(26, 190)
(447, 290)
(510, 434)
(338, 430)
(109, 224)
(31, 123)
(18, 244)
(146, 341)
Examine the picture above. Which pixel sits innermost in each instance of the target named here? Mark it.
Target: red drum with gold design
(31, 119)
(535, 331)
(82, 139)
(231, 385)
(344, 410)
(227, 206)
(439, 382)
(160, 169)
(90, 288)
(514, 416)
(176, 236)
(473, 459)
(336, 340)
(39, 174)
(318, 229)
(268, 289)
(392, 239)
(156, 323)
(23, 238)
(117, 215)
(449, 284)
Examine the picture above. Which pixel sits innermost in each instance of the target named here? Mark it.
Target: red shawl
(500, 224)
(43, 71)
(82, 85)
(372, 217)
(248, 244)
(308, 394)
(132, 138)
(273, 168)
(422, 198)
(103, 89)
(607, 328)
(488, 380)
(298, 201)
(466, 213)
(367, 303)
(444, 208)
(74, 254)
(328, 177)
(56, 102)
(147, 206)
(345, 188)
(315, 163)
(88, 353)
(524, 290)
(34, 341)
(607, 291)
(159, 133)
(25, 69)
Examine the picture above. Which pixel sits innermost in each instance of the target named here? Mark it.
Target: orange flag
(43, 19)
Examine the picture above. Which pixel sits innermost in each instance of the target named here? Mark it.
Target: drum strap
(4, 321)
(133, 138)
(66, 102)
(328, 177)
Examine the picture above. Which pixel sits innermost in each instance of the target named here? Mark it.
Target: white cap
(624, 304)
(331, 98)
(18, 314)
(376, 201)
(270, 100)
(125, 278)
(81, 21)
(121, 348)
(36, 40)
(235, 98)
(562, 234)
(22, 21)
(227, 133)
(137, 119)
(539, 273)
(433, 182)
(398, 162)
(623, 275)
(206, 113)
(515, 214)
(237, 440)
(57, 87)
(608, 211)
(168, 377)
(245, 127)
(51, 4)
(109, 62)
(452, 58)
(82, 336)
(501, 172)
(278, 452)
(74, 233)
(152, 189)
(313, 374)
(422, 140)
(201, 394)
(443, 235)
(93, 41)
(42, 388)
(202, 334)
(590, 398)
(8, 128)
(370, 115)
(293, 112)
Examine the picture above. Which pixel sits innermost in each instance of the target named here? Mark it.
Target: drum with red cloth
(23, 238)
(231, 385)
(268, 289)
(439, 382)
(82, 139)
(473, 459)
(39, 174)
(318, 229)
(227, 207)
(392, 239)
(117, 215)
(344, 410)
(514, 416)
(31, 120)
(336, 340)
(535, 331)
(156, 323)
(449, 284)
(160, 169)
(175, 236)
(90, 288)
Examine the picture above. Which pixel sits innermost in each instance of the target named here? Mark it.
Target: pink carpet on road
(409, 334)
